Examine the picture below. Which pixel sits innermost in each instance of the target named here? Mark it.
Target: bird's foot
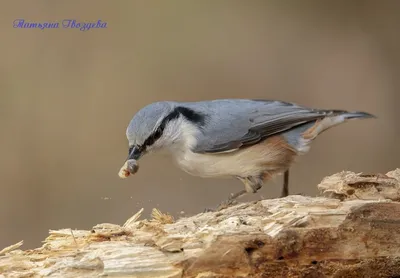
(226, 204)
(232, 200)
(208, 210)
(221, 206)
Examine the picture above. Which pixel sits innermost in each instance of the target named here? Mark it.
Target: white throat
(179, 136)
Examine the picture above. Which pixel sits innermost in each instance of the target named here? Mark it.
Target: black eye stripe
(189, 114)
(192, 116)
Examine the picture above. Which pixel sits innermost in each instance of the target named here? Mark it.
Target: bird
(251, 140)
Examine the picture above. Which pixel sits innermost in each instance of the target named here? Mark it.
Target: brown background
(67, 97)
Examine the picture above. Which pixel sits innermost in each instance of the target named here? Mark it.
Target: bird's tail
(333, 118)
(356, 115)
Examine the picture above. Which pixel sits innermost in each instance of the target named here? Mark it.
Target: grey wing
(236, 126)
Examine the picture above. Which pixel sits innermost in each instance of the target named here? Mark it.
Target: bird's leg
(231, 201)
(285, 188)
(236, 195)
(251, 185)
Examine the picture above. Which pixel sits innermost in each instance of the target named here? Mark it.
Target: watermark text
(64, 24)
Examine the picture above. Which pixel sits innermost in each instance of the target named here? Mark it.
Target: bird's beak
(135, 153)
(130, 166)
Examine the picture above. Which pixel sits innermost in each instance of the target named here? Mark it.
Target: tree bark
(352, 230)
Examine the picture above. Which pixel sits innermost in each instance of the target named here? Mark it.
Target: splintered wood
(352, 231)
(352, 186)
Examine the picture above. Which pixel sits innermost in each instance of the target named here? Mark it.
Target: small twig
(11, 247)
(73, 236)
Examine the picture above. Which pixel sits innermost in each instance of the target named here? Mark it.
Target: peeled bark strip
(353, 231)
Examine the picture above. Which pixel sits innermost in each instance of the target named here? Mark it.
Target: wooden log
(353, 230)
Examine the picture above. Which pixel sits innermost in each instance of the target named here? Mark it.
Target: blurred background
(67, 96)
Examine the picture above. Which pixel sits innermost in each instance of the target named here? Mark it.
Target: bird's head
(160, 125)
(146, 131)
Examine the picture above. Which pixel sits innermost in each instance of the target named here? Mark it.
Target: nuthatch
(251, 140)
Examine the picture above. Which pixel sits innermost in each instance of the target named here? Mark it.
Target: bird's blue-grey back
(233, 123)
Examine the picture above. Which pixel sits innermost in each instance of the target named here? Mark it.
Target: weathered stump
(353, 231)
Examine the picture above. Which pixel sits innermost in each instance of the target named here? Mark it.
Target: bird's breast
(271, 154)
